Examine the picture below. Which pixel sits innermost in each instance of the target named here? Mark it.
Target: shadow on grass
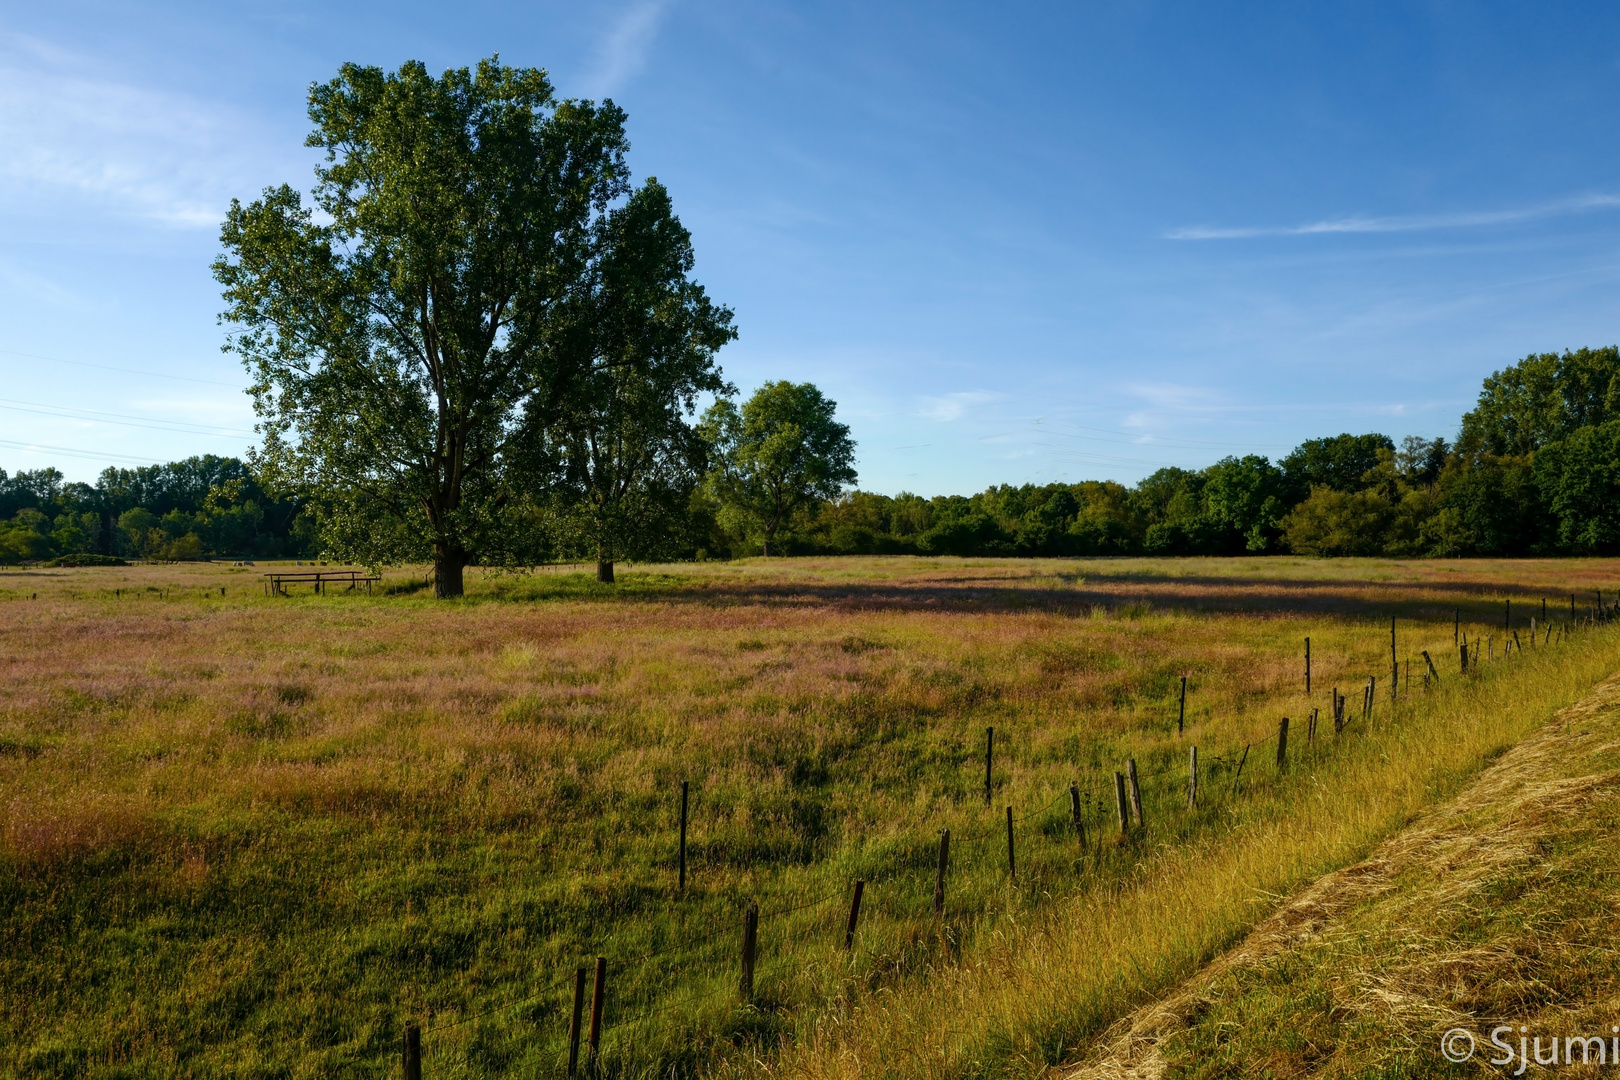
(1075, 594)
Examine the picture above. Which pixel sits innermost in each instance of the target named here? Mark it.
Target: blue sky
(1014, 242)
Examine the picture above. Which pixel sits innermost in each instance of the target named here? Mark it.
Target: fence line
(1090, 798)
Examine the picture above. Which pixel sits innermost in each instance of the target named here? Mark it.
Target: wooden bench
(276, 582)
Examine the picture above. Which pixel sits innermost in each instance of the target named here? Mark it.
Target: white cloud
(623, 51)
(949, 407)
(69, 131)
(1575, 205)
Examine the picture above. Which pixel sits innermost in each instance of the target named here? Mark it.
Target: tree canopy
(778, 453)
(418, 333)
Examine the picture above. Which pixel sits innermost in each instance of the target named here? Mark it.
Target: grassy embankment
(251, 836)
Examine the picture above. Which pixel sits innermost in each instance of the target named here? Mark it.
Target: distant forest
(1535, 470)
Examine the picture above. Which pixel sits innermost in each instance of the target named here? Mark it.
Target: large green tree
(780, 451)
(399, 330)
(619, 460)
(1541, 399)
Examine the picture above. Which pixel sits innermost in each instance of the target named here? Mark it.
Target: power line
(69, 451)
(126, 420)
(125, 370)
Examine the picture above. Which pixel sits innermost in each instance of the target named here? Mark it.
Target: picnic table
(276, 581)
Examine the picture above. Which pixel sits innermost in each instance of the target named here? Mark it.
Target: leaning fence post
(598, 998)
(939, 874)
(573, 1026)
(1192, 779)
(1119, 798)
(854, 916)
(1136, 792)
(1074, 810)
(1012, 861)
(413, 1052)
(1282, 744)
(1433, 674)
(749, 944)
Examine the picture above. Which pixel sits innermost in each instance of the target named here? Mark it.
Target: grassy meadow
(253, 836)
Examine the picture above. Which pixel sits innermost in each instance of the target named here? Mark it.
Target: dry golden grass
(1491, 909)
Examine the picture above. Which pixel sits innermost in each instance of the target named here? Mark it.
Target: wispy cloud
(947, 407)
(623, 50)
(68, 131)
(1575, 205)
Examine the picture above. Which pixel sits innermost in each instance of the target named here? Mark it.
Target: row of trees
(1535, 470)
(182, 510)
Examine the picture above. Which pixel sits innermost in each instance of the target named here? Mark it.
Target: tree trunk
(447, 567)
(604, 571)
(767, 548)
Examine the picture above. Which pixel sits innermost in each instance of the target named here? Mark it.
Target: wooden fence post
(939, 874)
(1181, 715)
(573, 1026)
(749, 944)
(1074, 810)
(1310, 730)
(1136, 792)
(1282, 744)
(598, 999)
(1307, 667)
(989, 758)
(1435, 675)
(413, 1052)
(1012, 861)
(1517, 644)
(1532, 630)
(1192, 779)
(683, 835)
(854, 916)
(1239, 774)
(1119, 798)
(1394, 662)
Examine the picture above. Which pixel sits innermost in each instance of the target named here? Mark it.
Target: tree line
(183, 510)
(1535, 470)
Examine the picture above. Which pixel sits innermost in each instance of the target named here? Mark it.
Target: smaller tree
(779, 452)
